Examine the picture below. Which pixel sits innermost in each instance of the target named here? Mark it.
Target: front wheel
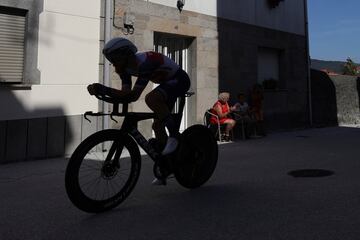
(102, 171)
(197, 157)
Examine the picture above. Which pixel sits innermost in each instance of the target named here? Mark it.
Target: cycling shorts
(175, 87)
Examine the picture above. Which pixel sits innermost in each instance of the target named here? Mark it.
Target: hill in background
(335, 66)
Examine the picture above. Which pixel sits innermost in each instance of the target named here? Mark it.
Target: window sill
(15, 86)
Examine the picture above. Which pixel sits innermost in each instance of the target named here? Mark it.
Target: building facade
(51, 50)
(49, 53)
(228, 46)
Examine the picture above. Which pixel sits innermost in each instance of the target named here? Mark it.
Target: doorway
(177, 48)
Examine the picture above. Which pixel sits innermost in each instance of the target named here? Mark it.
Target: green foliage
(350, 68)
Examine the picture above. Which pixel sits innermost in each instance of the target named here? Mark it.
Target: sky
(334, 29)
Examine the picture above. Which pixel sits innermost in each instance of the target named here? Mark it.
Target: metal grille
(12, 40)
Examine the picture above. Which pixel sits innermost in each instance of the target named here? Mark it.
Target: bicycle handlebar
(116, 102)
(115, 112)
(111, 99)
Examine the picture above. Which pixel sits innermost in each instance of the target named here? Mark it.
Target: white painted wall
(288, 16)
(68, 59)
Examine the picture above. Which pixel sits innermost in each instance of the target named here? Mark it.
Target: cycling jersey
(147, 64)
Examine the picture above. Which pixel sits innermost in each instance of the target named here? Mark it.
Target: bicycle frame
(130, 123)
(130, 126)
(192, 164)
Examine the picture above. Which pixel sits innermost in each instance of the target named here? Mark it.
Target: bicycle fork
(116, 148)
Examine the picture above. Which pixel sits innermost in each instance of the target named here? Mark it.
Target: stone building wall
(224, 55)
(335, 99)
(347, 98)
(150, 18)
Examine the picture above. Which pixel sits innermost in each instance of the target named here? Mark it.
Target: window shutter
(12, 36)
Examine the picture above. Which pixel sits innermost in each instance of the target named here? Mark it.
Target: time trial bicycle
(105, 167)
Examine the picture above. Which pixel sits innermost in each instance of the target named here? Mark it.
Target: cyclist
(147, 66)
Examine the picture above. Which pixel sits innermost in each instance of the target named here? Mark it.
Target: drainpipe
(106, 74)
(308, 62)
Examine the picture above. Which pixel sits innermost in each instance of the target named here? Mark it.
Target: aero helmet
(118, 48)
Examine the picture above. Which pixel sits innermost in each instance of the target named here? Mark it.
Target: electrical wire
(114, 23)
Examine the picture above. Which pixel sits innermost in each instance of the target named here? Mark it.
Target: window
(12, 44)
(269, 68)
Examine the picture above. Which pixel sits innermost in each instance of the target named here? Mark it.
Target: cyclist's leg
(173, 89)
(162, 100)
(156, 101)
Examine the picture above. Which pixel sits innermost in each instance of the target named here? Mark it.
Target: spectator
(222, 110)
(241, 107)
(242, 113)
(257, 98)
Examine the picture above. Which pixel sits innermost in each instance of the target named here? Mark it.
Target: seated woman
(222, 110)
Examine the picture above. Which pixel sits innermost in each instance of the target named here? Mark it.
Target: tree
(350, 68)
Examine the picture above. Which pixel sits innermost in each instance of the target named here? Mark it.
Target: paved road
(249, 197)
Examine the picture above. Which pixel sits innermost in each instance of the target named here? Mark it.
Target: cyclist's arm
(138, 88)
(124, 94)
(125, 82)
(128, 94)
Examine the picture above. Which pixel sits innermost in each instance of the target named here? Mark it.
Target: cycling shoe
(170, 146)
(159, 182)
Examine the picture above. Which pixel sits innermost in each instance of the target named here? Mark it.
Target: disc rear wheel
(197, 157)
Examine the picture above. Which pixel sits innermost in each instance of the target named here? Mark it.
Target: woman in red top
(222, 109)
